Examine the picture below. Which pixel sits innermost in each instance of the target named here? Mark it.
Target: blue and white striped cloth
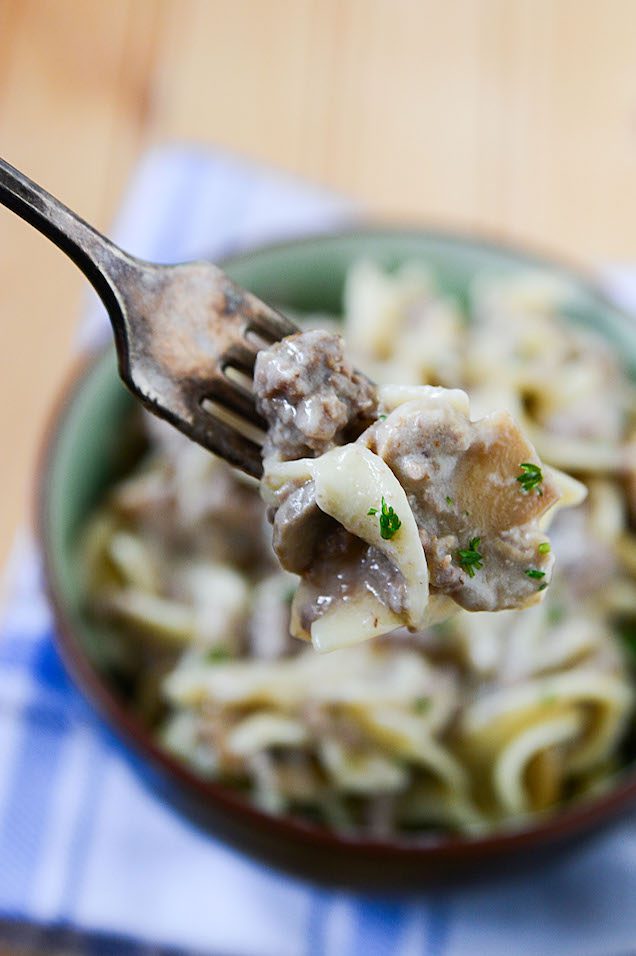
(85, 847)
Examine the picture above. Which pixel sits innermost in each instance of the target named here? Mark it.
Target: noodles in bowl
(474, 725)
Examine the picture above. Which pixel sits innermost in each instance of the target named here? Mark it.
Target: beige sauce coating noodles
(471, 725)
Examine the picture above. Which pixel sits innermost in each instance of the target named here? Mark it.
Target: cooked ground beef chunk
(310, 395)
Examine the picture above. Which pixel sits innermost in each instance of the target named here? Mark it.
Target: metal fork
(186, 335)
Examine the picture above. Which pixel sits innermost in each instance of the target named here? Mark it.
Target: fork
(186, 335)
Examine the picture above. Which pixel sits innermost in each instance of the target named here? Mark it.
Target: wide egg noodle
(349, 481)
(516, 726)
(536, 742)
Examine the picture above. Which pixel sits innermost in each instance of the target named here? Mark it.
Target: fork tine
(227, 442)
(241, 356)
(271, 324)
(236, 398)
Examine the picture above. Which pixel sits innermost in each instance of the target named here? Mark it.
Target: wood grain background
(516, 117)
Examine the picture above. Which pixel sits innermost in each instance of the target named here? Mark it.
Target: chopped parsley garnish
(544, 547)
(543, 586)
(443, 629)
(217, 654)
(449, 501)
(390, 524)
(470, 559)
(555, 613)
(530, 478)
(626, 630)
(421, 704)
(534, 573)
(381, 418)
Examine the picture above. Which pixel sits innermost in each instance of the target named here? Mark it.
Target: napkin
(92, 861)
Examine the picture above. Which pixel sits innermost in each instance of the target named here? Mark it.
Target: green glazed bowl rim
(573, 819)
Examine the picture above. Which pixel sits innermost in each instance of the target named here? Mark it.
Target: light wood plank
(68, 116)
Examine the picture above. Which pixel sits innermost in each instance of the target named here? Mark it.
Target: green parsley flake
(217, 654)
(543, 586)
(530, 478)
(443, 629)
(449, 501)
(534, 573)
(555, 613)
(544, 547)
(470, 559)
(390, 524)
(421, 704)
(626, 630)
(381, 418)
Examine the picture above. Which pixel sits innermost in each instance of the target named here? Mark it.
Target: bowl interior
(93, 443)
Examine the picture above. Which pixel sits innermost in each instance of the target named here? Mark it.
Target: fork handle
(101, 261)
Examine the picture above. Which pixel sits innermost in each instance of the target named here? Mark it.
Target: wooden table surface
(514, 117)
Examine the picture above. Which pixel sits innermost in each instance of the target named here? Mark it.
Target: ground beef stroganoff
(469, 725)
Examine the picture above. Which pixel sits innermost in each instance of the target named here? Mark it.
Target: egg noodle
(476, 723)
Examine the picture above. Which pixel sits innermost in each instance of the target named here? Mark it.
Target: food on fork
(391, 504)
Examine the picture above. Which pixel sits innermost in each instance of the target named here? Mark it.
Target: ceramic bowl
(86, 450)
